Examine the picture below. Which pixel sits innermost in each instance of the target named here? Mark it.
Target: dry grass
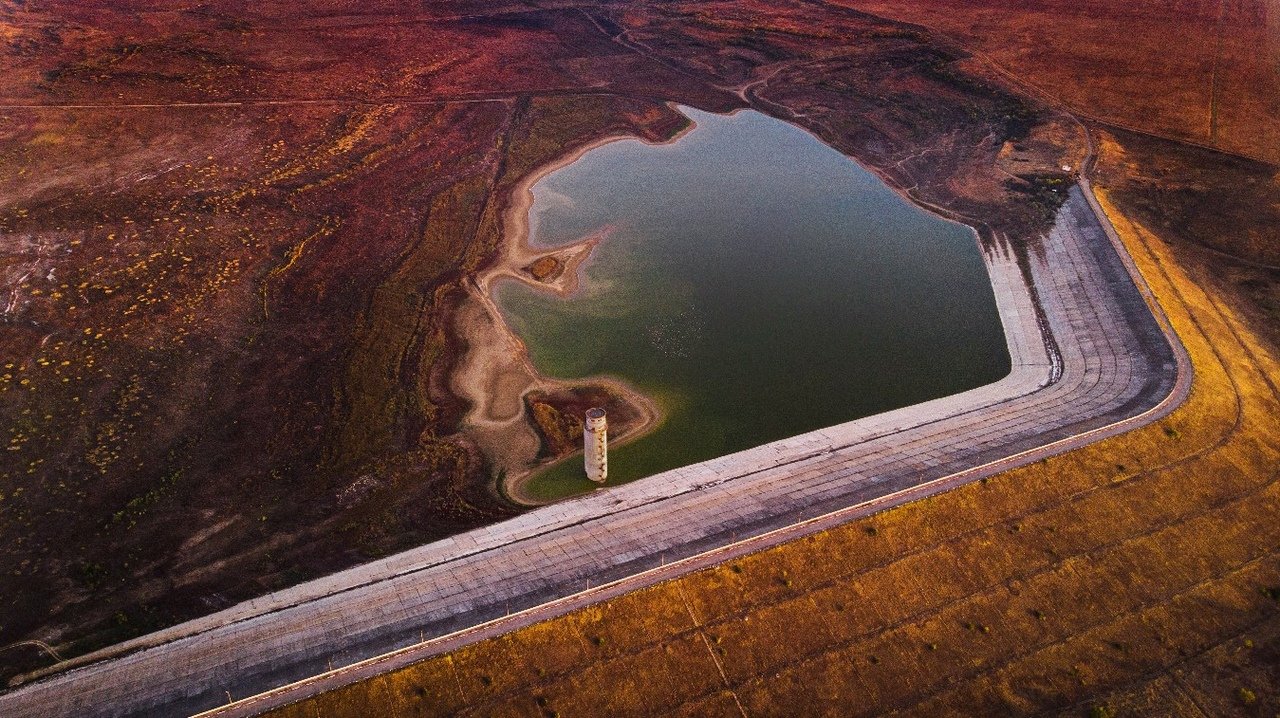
(1207, 71)
(1126, 573)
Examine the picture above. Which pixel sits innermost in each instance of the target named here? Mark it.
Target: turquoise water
(758, 284)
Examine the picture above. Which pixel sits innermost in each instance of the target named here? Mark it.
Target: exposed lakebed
(755, 283)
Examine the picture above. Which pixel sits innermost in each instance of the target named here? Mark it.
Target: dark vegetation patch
(1221, 211)
(558, 416)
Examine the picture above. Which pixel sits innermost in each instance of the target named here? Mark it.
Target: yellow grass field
(1138, 575)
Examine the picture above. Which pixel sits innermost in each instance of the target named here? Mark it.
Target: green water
(758, 284)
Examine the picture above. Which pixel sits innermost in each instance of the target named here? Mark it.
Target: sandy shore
(495, 373)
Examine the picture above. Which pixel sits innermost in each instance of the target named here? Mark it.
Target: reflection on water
(758, 284)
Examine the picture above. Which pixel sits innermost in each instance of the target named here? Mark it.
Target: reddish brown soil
(546, 269)
(1198, 70)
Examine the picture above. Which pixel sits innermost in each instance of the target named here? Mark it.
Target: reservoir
(757, 284)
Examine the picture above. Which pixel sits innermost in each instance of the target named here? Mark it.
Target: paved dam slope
(1089, 359)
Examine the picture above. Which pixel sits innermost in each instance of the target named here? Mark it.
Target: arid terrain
(237, 242)
(1138, 576)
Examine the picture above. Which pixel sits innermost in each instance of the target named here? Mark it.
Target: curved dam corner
(1119, 368)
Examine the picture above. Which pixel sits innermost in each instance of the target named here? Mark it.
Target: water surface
(758, 284)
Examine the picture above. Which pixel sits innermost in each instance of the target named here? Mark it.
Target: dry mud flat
(494, 374)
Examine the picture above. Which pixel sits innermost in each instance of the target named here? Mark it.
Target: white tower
(595, 445)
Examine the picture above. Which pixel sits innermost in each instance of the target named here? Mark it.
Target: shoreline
(494, 373)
